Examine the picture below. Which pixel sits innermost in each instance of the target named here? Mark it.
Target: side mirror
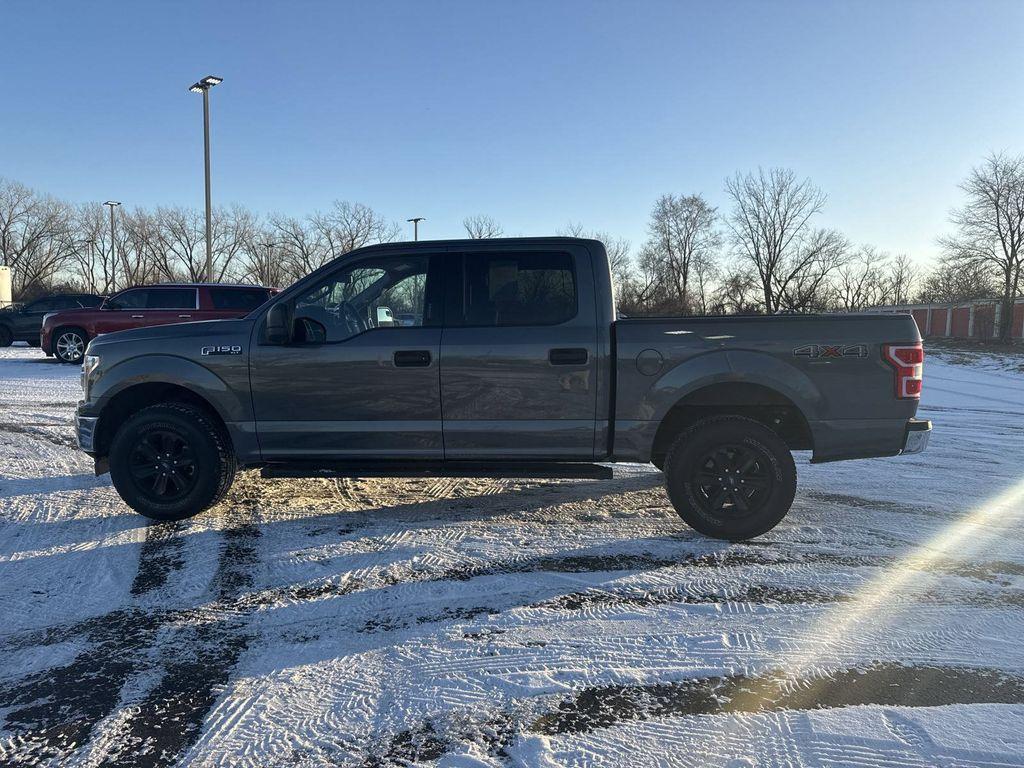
(384, 317)
(277, 330)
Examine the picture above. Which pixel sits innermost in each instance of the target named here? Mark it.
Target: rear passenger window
(238, 299)
(171, 298)
(519, 289)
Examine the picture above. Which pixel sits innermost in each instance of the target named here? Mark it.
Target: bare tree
(617, 249)
(265, 261)
(953, 280)
(481, 227)
(990, 227)
(899, 280)
(36, 235)
(771, 231)
(301, 245)
(737, 293)
(348, 226)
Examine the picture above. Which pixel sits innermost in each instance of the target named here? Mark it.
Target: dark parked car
(24, 323)
(65, 334)
(516, 367)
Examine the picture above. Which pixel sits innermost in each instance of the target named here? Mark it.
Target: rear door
(170, 304)
(518, 354)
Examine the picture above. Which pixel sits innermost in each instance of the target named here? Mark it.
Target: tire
(730, 477)
(165, 434)
(6, 337)
(69, 344)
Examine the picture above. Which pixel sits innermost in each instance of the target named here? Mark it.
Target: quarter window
(238, 299)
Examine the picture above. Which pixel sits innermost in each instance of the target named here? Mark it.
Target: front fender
(178, 371)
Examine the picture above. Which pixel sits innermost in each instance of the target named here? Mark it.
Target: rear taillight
(908, 360)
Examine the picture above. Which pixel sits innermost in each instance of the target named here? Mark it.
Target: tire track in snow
(189, 652)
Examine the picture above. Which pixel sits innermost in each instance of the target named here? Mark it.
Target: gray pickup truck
(497, 358)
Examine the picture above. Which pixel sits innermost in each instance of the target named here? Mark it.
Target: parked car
(517, 368)
(23, 323)
(65, 334)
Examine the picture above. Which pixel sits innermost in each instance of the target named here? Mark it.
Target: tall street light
(416, 226)
(203, 86)
(113, 256)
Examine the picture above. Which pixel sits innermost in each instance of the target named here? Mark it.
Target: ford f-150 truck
(513, 365)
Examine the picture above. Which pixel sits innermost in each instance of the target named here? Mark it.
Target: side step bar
(495, 469)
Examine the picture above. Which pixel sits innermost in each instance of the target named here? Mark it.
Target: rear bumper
(915, 438)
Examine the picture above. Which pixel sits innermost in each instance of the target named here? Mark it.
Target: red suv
(66, 334)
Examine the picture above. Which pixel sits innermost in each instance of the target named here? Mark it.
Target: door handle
(572, 356)
(184, 315)
(412, 358)
(137, 317)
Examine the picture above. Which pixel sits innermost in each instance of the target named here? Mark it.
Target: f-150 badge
(223, 349)
(832, 350)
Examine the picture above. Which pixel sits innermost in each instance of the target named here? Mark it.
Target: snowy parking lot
(502, 623)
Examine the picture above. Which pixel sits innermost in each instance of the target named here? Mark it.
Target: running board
(494, 469)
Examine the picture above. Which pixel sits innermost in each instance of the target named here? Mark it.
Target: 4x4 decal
(832, 350)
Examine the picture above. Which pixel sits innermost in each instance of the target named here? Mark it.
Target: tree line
(765, 253)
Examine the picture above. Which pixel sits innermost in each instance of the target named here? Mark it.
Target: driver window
(385, 292)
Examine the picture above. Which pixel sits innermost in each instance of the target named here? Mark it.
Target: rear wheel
(6, 337)
(730, 477)
(171, 461)
(69, 344)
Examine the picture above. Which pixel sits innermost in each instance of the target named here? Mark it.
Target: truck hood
(219, 330)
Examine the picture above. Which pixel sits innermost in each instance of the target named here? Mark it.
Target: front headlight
(89, 364)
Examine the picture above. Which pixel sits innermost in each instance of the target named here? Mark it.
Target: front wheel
(6, 337)
(171, 461)
(730, 477)
(69, 344)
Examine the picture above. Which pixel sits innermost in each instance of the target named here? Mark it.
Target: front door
(518, 367)
(354, 383)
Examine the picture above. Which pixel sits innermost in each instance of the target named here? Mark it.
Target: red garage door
(938, 322)
(984, 321)
(921, 318)
(961, 322)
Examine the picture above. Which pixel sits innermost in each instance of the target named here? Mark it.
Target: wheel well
(135, 398)
(755, 401)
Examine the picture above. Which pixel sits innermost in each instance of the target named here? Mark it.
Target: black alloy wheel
(730, 477)
(163, 465)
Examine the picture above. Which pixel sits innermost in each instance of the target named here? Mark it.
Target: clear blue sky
(536, 113)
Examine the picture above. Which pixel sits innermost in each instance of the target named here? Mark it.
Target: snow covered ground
(501, 623)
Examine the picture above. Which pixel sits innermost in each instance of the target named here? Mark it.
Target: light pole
(112, 204)
(265, 277)
(203, 86)
(416, 226)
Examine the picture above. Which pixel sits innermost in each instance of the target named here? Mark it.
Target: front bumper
(915, 438)
(85, 431)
